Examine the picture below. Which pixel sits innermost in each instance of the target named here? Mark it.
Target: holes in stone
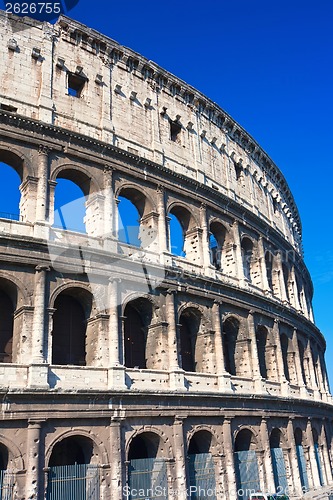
(75, 84)
(175, 130)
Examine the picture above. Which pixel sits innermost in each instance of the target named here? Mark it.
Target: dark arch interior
(298, 436)
(284, 348)
(144, 446)
(315, 435)
(247, 250)
(261, 337)
(71, 451)
(244, 440)
(230, 334)
(6, 327)
(3, 457)
(269, 268)
(301, 355)
(275, 439)
(200, 443)
(69, 331)
(138, 316)
(189, 326)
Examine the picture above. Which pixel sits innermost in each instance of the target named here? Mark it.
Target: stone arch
(195, 343)
(262, 336)
(15, 457)
(246, 460)
(139, 196)
(220, 245)
(251, 434)
(86, 288)
(100, 452)
(236, 353)
(197, 429)
(22, 294)
(72, 335)
(277, 438)
(18, 160)
(189, 245)
(247, 251)
(165, 450)
(79, 175)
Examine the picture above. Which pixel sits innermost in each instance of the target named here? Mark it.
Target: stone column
(254, 351)
(303, 391)
(162, 224)
(279, 358)
(312, 456)
(116, 362)
(38, 370)
(205, 236)
(34, 472)
(42, 187)
(228, 447)
(116, 459)
(267, 459)
(311, 366)
(326, 454)
(282, 284)
(108, 202)
(293, 458)
(176, 373)
(261, 253)
(179, 454)
(295, 301)
(223, 376)
(238, 253)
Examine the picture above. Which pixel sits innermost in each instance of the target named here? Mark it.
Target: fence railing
(6, 485)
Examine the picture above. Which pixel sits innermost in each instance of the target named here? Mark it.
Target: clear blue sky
(269, 65)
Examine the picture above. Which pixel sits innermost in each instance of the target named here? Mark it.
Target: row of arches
(79, 206)
(246, 348)
(267, 458)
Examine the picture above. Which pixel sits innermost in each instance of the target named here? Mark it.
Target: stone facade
(209, 354)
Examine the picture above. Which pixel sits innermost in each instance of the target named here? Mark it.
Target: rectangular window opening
(76, 84)
(175, 129)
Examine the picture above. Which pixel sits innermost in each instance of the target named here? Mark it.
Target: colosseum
(168, 348)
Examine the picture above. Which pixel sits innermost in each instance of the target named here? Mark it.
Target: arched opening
(69, 204)
(217, 241)
(176, 236)
(71, 474)
(230, 336)
(72, 310)
(189, 322)
(128, 222)
(269, 269)
(285, 271)
(317, 452)
(278, 462)
(3, 457)
(147, 470)
(201, 464)
(6, 327)
(138, 316)
(298, 435)
(285, 350)
(247, 253)
(261, 338)
(10, 195)
(246, 464)
(301, 350)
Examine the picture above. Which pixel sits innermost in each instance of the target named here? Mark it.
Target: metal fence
(302, 467)
(247, 474)
(6, 485)
(147, 479)
(279, 469)
(73, 482)
(202, 476)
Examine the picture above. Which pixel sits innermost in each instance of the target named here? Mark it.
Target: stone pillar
(295, 300)
(205, 236)
(279, 359)
(311, 366)
(326, 453)
(300, 381)
(238, 253)
(223, 376)
(293, 458)
(312, 457)
(228, 447)
(282, 284)
(34, 474)
(179, 454)
(108, 202)
(176, 373)
(116, 459)
(261, 253)
(42, 187)
(254, 351)
(162, 224)
(116, 368)
(219, 476)
(38, 370)
(267, 458)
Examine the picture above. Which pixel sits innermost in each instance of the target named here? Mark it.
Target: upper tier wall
(134, 104)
